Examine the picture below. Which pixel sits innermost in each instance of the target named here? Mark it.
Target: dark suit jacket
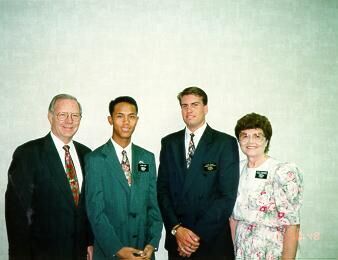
(41, 217)
(203, 196)
(122, 216)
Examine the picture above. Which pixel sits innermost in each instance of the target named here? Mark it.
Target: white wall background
(278, 58)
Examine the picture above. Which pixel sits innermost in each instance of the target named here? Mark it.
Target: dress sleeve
(288, 191)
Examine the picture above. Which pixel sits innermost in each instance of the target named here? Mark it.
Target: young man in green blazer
(121, 191)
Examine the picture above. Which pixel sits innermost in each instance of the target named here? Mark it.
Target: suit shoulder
(142, 150)
(96, 152)
(173, 136)
(82, 147)
(222, 135)
(31, 145)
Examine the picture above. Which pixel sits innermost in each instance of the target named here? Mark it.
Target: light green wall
(278, 58)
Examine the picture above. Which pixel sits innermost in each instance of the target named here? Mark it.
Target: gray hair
(62, 96)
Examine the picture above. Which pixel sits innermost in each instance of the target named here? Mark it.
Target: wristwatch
(174, 230)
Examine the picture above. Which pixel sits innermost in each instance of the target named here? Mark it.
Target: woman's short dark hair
(254, 121)
(122, 99)
(193, 91)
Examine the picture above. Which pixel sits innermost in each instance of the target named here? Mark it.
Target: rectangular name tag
(261, 174)
(208, 167)
(143, 167)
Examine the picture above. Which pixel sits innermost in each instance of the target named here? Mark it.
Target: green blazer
(122, 216)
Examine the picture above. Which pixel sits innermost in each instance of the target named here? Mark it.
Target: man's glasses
(255, 138)
(62, 116)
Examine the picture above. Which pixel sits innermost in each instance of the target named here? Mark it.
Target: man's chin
(189, 122)
(126, 136)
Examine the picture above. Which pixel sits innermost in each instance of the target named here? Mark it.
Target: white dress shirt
(198, 134)
(119, 150)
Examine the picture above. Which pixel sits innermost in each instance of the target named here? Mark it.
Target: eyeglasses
(62, 116)
(256, 138)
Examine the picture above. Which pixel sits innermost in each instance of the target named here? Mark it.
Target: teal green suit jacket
(122, 216)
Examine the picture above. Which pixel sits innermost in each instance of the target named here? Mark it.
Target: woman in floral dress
(266, 217)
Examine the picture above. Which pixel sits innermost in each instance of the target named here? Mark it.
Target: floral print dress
(269, 198)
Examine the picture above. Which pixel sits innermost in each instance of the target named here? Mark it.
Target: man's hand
(148, 251)
(130, 253)
(90, 250)
(187, 241)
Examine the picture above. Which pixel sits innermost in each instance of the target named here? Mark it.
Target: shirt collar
(197, 136)
(119, 148)
(59, 144)
(198, 133)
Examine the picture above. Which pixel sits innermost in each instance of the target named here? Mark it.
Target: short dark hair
(62, 96)
(122, 99)
(254, 121)
(193, 91)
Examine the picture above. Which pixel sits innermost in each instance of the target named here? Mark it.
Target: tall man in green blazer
(121, 191)
(197, 184)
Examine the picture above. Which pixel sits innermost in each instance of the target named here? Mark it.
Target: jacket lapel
(136, 178)
(114, 165)
(56, 170)
(80, 155)
(136, 158)
(179, 154)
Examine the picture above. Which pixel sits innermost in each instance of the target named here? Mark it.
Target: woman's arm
(290, 242)
(233, 224)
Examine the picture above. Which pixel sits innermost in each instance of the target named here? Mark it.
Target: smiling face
(64, 129)
(253, 143)
(123, 120)
(193, 111)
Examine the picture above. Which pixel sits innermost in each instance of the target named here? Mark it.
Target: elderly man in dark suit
(44, 201)
(197, 184)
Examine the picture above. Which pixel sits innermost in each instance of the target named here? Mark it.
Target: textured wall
(278, 58)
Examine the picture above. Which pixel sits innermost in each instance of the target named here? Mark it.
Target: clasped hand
(130, 253)
(187, 241)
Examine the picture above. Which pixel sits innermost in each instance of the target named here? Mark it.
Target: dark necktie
(126, 166)
(191, 149)
(71, 175)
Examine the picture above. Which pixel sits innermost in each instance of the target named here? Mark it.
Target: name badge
(143, 167)
(208, 167)
(261, 174)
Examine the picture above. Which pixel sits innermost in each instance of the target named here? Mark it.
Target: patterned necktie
(126, 167)
(191, 150)
(71, 175)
